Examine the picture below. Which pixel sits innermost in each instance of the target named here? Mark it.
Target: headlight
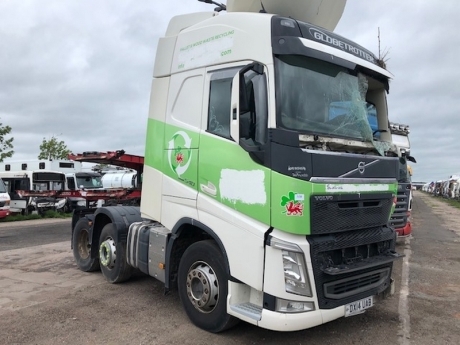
(81, 203)
(7, 203)
(60, 203)
(295, 269)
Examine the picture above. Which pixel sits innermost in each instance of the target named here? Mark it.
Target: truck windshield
(89, 182)
(321, 98)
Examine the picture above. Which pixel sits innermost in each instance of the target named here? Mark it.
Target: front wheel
(82, 247)
(112, 257)
(203, 287)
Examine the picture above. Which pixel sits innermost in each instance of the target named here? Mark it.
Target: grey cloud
(82, 70)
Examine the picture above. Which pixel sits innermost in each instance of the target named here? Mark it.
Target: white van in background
(40, 180)
(4, 201)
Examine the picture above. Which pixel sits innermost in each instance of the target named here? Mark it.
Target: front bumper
(4, 213)
(295, 322)
(404, 231)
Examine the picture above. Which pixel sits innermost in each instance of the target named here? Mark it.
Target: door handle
(209, 189)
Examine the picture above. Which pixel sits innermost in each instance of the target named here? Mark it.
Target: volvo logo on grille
(360, 169)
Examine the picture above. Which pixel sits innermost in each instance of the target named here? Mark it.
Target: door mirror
(249, 110)
(412, 159)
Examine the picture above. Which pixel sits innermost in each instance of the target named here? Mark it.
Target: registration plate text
(359, 307)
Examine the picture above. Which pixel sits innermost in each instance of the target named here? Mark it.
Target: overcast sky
(81, 70)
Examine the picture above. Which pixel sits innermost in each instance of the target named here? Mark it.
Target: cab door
(236, 128)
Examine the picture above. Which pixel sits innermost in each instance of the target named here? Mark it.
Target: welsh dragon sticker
(293, 204)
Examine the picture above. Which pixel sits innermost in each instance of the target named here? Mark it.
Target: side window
(219, 107)
(71, 183)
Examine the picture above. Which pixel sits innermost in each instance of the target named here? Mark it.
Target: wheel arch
(120, 216)
(76, 216)
(186, 232)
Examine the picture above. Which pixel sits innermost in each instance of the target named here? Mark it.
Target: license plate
(359, 307)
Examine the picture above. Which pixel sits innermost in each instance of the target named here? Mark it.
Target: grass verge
(47, 214)
(451, 202)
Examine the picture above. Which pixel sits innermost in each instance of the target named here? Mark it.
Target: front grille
(351, 265)
(399, 217)
(353, 285)
(2, 203)
(339, 213)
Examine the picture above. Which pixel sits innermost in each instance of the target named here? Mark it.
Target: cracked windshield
(320, 98)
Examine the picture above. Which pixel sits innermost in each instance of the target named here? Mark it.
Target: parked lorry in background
(65, 166)
(260, 202)
(4, 201)
(33, 181)
(454, 186)
(400, 219)
(81, 181)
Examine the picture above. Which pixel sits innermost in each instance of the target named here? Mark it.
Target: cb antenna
(220, 7)
(263, 7)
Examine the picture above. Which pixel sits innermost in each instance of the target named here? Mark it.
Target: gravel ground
(45, 299)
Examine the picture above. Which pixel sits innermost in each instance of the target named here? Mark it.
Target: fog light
(284, 306)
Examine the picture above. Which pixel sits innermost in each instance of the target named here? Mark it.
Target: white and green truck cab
(262, 200)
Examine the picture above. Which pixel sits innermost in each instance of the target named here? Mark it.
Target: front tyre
(82, 247)
(203, 286)
(112, 257)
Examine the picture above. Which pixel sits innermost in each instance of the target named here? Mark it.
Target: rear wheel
(82, 247)
(203, 287)
(112, 257)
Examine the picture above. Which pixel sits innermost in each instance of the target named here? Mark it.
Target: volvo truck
(260, 201)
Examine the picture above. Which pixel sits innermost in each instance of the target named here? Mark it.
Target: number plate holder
(359, 307)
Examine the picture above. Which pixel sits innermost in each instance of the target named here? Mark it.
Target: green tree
(53, 149)
(6, 145)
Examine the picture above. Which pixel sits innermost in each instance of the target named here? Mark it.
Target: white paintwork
(242, 237)
(250, 39)
(295, 322)
(207, 51)
(181, 22)
(54, 165)
(244, 186)
(152, 185)
(4, 197)
(174, 209)
(324, 13)
(402, 141)
(159, 99)
(119, 179)
(174, 188)
(357, 188)
(184, 110)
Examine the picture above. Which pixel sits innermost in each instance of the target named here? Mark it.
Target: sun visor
(323, 13)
